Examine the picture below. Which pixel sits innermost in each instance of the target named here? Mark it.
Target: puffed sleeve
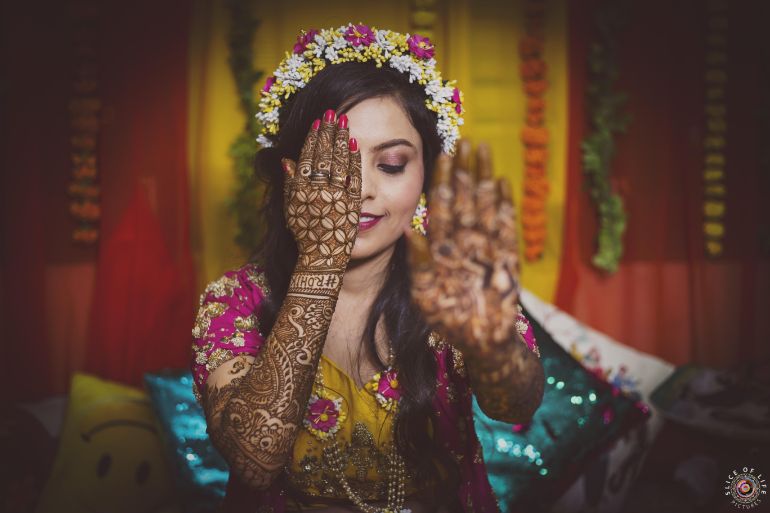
(227, 323)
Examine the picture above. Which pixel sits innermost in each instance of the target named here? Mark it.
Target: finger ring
(317, 175)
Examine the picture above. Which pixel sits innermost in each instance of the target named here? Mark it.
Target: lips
(367, 221)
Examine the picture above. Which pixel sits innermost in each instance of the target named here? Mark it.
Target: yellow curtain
(477, 43)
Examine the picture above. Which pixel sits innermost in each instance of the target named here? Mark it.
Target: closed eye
(392, 170)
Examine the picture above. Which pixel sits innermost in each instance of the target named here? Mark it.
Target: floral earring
(420, 218)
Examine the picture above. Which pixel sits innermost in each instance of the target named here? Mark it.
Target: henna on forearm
(253, 420)
(254, 414)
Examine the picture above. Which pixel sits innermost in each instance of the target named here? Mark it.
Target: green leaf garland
(249, 191)
(606, 118)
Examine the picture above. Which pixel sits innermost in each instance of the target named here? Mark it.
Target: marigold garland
(598, 147)
(534, 135)
(715, 140)
(84, 110)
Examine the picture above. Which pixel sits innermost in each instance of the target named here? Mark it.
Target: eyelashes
(392, 170)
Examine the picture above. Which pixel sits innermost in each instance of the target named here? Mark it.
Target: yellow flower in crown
(409, 54)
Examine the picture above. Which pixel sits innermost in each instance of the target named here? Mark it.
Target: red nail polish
(329, 116)
(316, 124)
(285, 166)
(343, 121)
(353, 144)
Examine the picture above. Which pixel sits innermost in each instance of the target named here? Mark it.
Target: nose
(368, 180)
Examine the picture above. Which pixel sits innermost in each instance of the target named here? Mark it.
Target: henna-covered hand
(255, 405)
(322, 199)
(465, 279)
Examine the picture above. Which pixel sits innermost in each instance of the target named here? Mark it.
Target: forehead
(380, 119)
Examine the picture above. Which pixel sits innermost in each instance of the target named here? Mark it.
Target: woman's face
(392, 173)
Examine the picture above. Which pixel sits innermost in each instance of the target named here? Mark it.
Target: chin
(363, 249)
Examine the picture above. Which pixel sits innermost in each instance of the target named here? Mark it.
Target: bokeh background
(169, 111)
(635, 135)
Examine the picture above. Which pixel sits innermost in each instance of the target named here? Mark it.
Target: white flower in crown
(409, 54)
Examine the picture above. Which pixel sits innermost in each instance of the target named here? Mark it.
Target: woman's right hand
(322, 196)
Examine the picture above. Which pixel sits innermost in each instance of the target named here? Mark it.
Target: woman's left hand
(465, 276)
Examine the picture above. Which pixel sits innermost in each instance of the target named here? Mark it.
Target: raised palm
(322, 198)
(465, 277)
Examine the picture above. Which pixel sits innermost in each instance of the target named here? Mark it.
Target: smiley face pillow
(110, 456)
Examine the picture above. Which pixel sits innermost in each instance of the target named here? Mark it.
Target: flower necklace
(323, 419)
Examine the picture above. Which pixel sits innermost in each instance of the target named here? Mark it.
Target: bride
(337, 368)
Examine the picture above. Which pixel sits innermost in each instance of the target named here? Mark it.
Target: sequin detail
(362, 459)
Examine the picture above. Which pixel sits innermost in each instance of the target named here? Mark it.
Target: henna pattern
(465, 279)
(254, 406)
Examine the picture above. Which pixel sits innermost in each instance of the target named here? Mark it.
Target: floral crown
(411, 54)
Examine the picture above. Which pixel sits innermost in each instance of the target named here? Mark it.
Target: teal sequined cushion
(200, 471)
(530, 465)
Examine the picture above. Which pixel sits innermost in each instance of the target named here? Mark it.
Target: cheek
(403, 198)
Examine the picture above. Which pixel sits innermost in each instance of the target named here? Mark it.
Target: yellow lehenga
(365, 437)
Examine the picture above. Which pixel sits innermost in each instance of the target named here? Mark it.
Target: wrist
(316, 282)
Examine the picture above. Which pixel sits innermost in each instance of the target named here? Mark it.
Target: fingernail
(285, 165)
(343, 121)
(316, 124)
(353, 144)
(329, 116)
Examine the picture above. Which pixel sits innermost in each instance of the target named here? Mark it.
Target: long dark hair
(341, 87)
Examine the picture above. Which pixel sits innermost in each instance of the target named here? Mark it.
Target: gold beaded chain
(396, 467)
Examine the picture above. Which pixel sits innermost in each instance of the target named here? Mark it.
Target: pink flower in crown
(421, 47)
(268, 84)
(457, 100)
(359, 35)
(304, 39)
(322, 414)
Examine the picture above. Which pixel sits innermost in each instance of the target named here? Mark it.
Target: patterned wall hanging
(606, 119)
(715, 140)
(248, 192)
(84, 111)
(534, 135)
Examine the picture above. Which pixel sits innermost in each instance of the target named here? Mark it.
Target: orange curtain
(667, 298)
(137, 284)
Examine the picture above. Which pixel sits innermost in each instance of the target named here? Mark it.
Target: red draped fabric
(143, 298)
(142, 305)
(667, 298)
(33, 160)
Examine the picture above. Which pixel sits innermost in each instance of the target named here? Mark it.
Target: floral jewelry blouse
(361, 418)
(363, 429)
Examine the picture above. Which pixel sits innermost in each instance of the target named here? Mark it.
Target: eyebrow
(391, 143)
